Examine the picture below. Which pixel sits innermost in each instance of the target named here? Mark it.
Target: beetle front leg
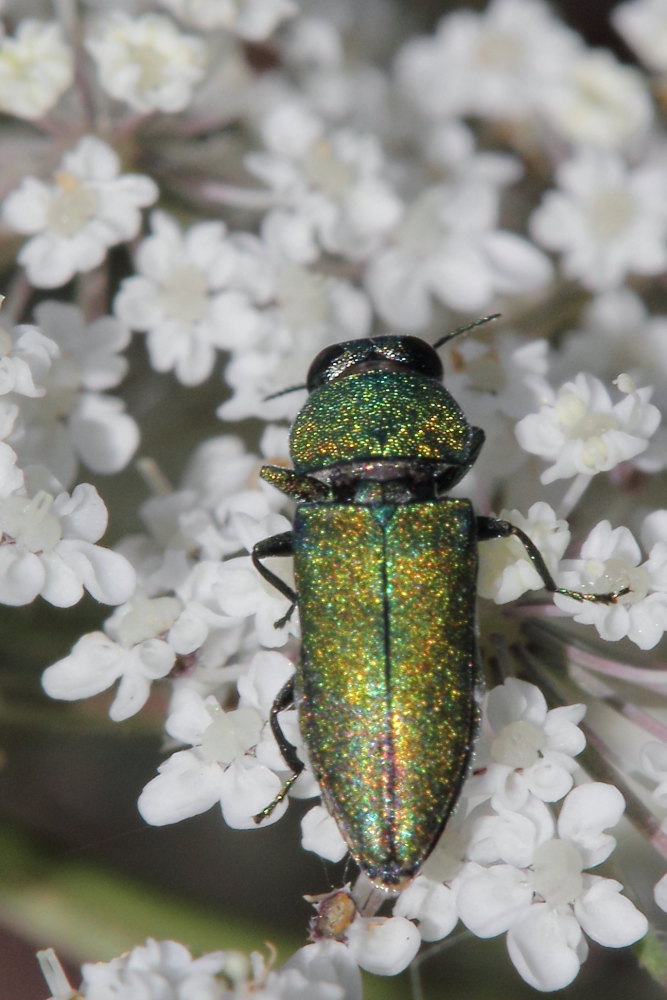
(276, 545)
(284, 700)
(492, 527)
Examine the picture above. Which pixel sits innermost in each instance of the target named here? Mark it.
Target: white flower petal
(106, 575)
(607, 917)
(94, 664)
(586, 812)
(22, 576)
(185, 786)
(320, 833)
(323, 963)
(543, 947)
(247, 787)
(491, 900)
(383, 945)
(432, 904)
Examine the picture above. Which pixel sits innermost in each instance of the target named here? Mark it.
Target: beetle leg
(284, 699)
(276, 545)
(294, 485)
(492, 527)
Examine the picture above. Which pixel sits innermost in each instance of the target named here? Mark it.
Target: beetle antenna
(283, 392)
(464, 329)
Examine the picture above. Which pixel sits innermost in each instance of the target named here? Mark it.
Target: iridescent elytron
(385, 567)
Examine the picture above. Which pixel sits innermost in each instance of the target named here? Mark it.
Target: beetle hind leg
(284, 700)
(492, 527)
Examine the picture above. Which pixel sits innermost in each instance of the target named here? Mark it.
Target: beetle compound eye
(418, 356)
(326, 365)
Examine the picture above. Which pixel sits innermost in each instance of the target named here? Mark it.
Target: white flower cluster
(312, 175)
(157, 969)
(512, 866)
(47, 536)
(506, 864)
(73, 221)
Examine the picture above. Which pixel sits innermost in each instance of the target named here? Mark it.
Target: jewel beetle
(385, 564)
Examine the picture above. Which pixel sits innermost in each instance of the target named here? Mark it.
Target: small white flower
(11, 476)
(611, 560)
(606, 219)
(546, 904)
(254, 20)
(220, 468)
(332, 184)
(581, 431)
(73, 420)
(216, 770)
(260, 682)
(201, 615)
(525, 750)
(138, 657)
(243, 592)
(227, 760)
(308, 311)
(259, 686)
(26, 355)
(95, 348)
(182, 298)
(598, 101)
(505, 376)
(505, 570)
(47, 547)
(88, 208)
(146, 61)
(447, 247)
(499, 834)
(492, 64)
(158, 968)
(36, 67)
(643, 25)
(326, 970)
(603, 336)
(246, 788)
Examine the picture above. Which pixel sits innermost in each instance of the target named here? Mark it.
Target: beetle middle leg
(284, 700)
(276, 545)
(492, 527)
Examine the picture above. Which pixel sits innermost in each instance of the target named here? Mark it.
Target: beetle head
(387, 353)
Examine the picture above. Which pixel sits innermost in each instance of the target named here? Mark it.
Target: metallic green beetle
(385, 569)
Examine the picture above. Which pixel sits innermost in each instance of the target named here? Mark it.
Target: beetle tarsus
(283, 620)
(578, 595)
(267, 810)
